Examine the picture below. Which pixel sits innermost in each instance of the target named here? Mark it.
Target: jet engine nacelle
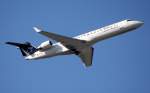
(45, 45)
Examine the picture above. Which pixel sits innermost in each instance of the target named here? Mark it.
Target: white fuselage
(91, 38)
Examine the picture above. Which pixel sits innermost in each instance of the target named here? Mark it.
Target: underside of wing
(86, 56)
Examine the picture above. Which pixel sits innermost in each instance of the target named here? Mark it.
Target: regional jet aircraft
(80, 45)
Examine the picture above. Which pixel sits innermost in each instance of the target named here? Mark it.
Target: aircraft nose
(139, 23)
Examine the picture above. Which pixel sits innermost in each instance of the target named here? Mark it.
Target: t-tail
(25, 48)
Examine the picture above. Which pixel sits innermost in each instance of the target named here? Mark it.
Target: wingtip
(37, 29)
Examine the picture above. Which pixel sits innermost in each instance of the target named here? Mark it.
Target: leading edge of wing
(66, 41)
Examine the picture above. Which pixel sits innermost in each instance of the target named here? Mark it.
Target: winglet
(37, 29)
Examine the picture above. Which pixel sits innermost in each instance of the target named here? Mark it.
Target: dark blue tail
(25, 48)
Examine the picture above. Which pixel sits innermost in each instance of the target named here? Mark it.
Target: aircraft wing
(85, 53)
(86, 56)
(69, 42)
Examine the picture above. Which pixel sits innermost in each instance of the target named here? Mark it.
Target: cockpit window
(129, 20)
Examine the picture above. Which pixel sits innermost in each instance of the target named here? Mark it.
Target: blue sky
(120, 65)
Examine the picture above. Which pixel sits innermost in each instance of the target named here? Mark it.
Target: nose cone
(138, 23)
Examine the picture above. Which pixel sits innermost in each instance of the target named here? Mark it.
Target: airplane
(80, 45)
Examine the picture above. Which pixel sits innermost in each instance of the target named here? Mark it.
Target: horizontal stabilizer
(25, 48)
(14, 44)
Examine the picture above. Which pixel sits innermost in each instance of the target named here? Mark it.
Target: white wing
(84, 52)
(66, 41)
